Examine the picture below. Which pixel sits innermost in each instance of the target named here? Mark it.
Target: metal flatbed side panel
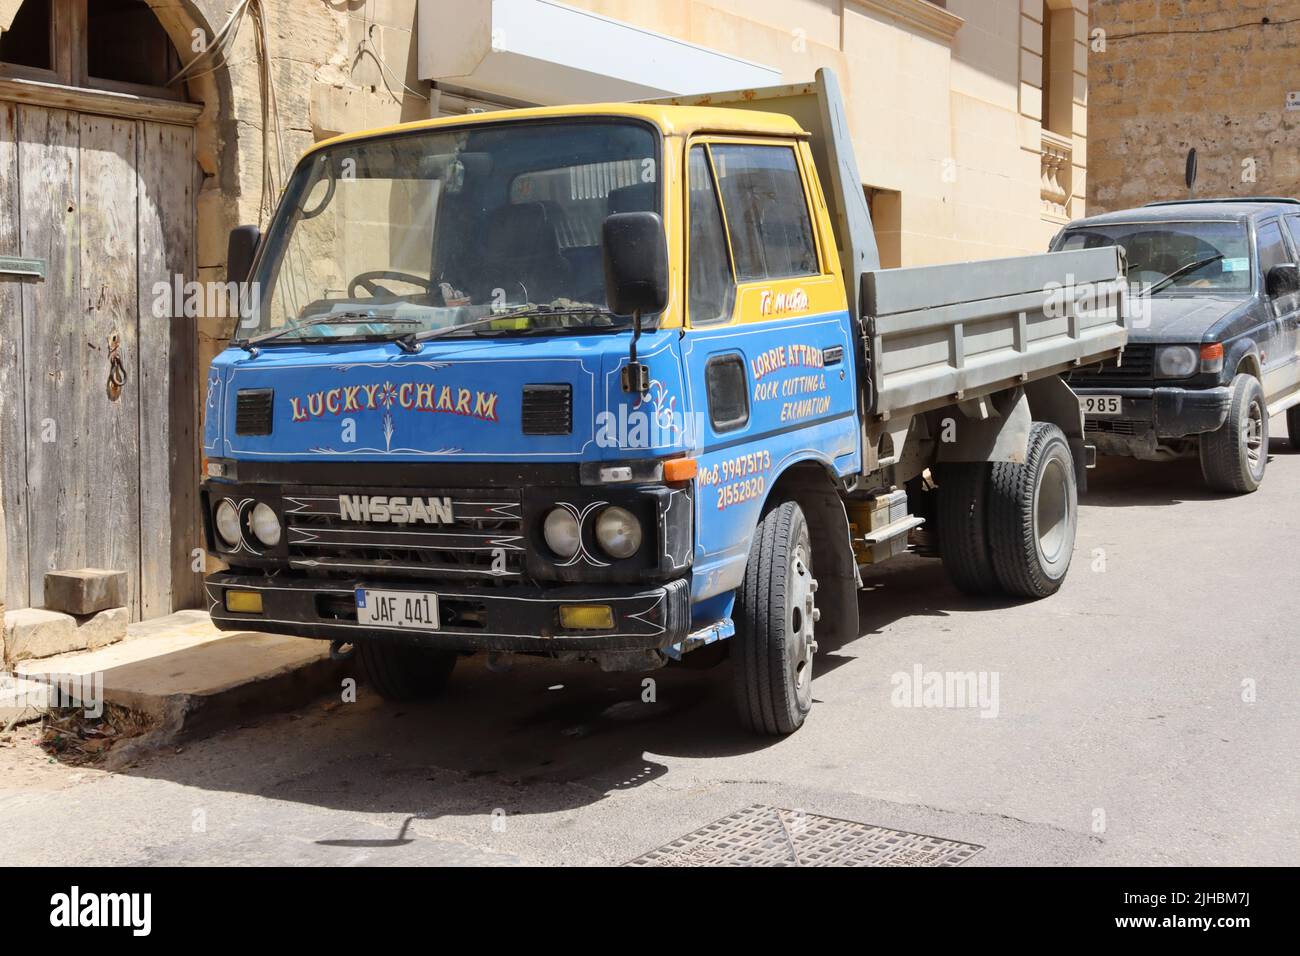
(950, 331)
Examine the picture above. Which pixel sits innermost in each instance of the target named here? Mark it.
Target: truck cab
(1213, 350)
(622, 383)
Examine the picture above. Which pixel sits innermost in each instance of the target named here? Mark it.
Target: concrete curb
(187, 679)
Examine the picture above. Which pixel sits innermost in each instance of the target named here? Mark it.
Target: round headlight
(226, 519)
(561, 532)
(618, 532)
(1176, 361)
(265, 524)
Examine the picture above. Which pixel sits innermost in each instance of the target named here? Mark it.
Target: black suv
(1214, 347)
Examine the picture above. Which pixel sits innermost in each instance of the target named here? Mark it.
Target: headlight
(618, 532)
(561, 532)
(265, 524)
(226, 519)
(1176, 361)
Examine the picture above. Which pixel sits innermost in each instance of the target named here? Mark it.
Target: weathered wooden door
(97, 377)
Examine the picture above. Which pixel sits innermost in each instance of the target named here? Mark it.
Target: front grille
(548, 409)
(483, 540)
(253, 407)
(1113, 426)
(1137, 365)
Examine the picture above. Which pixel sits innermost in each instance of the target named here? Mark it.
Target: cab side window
(1272, 248)
(1293, 225)
(767, 215)
(711, 288)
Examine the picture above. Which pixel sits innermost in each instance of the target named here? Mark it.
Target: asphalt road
(1148, 713)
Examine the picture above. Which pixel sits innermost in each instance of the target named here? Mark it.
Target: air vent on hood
(548, 409)
(253, 411)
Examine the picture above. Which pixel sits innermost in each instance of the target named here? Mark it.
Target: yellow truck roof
(672, 120)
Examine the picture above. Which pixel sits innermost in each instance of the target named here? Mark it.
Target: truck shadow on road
(541, 738)
(1127, 482)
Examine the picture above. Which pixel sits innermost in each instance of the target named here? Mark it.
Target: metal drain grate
(771, 836)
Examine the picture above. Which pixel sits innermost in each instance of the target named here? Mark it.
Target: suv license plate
(1102, 404)
(416, 610)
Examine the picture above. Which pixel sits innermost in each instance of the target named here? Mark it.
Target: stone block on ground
(85, 591)
(103, 628)
(37, 632)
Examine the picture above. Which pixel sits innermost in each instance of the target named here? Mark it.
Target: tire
(962, 527)
(1033, 513)
(401, 672)
(1293, 426)
(1233, 457)
(772, 650)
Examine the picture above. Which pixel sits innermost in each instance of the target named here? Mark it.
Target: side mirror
(240, 249)
(1282, 279)
(636, 262)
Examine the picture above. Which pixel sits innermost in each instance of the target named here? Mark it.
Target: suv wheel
(1233, 458)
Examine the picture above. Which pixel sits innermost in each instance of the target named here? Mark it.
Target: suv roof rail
(1244, 199)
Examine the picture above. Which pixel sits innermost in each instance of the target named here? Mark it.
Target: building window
(29, 40)
(125, 43)
(108, 44)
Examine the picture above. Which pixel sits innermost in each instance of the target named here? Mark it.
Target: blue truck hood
(460, 400)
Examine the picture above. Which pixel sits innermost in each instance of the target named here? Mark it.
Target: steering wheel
(366, 280)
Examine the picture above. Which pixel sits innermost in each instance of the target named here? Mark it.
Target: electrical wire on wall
(367, 48)
(1263, 22)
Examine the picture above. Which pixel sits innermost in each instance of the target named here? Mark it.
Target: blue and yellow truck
(626, 383)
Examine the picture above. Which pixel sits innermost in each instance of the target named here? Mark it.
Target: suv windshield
(495, 227)
(1175, 257)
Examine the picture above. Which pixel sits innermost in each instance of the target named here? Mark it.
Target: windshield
(1199, 256)
(496, 228)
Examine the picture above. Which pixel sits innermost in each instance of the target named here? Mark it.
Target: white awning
(548, 53)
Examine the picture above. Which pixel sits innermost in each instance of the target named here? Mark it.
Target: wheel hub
(804, 614)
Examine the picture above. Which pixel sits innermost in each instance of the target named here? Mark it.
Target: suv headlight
(1176, 361)
(265, 524)
(226, 521)
(561, 531)
(618, 532)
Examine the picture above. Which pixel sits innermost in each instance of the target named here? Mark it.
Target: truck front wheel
(401, 672)
(1234, 456)
(772, 651)
(1033, 514)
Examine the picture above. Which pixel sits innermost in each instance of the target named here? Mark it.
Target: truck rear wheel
(772, 651)
(401, 672)
(962, 527)
(1033, 511)
(1233, 458)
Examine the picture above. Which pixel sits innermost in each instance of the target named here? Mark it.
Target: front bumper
(513, 618)
(1164, 412)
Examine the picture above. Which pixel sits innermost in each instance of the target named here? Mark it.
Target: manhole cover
(771, 836)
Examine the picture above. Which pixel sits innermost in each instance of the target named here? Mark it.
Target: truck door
(1280, 363)
(1293, 229)
(768, 353)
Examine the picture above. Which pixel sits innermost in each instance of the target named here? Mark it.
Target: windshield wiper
(1180, 272)
(412, 341)
(338, 318)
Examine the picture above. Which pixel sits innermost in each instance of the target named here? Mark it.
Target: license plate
(416, 610)
(1102, 404)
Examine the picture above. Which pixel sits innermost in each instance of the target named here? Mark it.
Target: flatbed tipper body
(627, 383)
